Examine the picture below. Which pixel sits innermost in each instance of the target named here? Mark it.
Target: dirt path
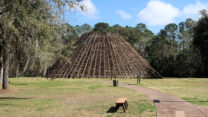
(168, 105)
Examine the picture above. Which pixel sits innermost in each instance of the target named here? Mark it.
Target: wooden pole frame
(104, 55)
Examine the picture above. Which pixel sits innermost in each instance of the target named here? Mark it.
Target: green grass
(194, 90)
(38, 97)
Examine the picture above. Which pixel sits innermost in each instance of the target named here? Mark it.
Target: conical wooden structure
(105, 55)
(56, 68)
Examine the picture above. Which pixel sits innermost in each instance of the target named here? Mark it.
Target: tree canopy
(30, 29)
(201, 38)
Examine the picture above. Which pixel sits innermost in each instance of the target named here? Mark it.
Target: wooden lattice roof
(105, 55)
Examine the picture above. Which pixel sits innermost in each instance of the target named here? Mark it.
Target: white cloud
(90, 9)
(192, 10)
(123, 15)
(158, 13)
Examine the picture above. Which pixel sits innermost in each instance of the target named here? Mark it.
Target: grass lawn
(190, 89)
(39, 97)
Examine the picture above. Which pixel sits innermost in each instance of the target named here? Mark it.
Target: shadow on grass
(1, 104)
(13, 98)
(112, 109)
(158, 101)
(184, 101)
(19, 84)
(133, 84)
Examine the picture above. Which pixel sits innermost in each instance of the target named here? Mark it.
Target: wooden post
(139, 79)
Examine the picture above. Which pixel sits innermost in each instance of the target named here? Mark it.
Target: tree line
(178, 50)
(34, 35)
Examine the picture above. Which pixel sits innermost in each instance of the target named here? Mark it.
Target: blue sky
(154, 13)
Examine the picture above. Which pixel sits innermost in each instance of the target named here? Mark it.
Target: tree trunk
(1, 70)
(26, 64)
(45, 69)
(5, 84)
(17, 71)
(1, 64)
(1, 75)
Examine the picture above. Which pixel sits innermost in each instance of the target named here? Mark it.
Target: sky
(154, 13)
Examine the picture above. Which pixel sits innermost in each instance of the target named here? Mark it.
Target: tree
(172, 53)
(69, 38)
(188, 58)
(85, 28)
(172, 30)
(101, 27)
(29, 24)
(141, 27)
(116, 28)
(158, 53)
(200, 38)
(145, 36)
